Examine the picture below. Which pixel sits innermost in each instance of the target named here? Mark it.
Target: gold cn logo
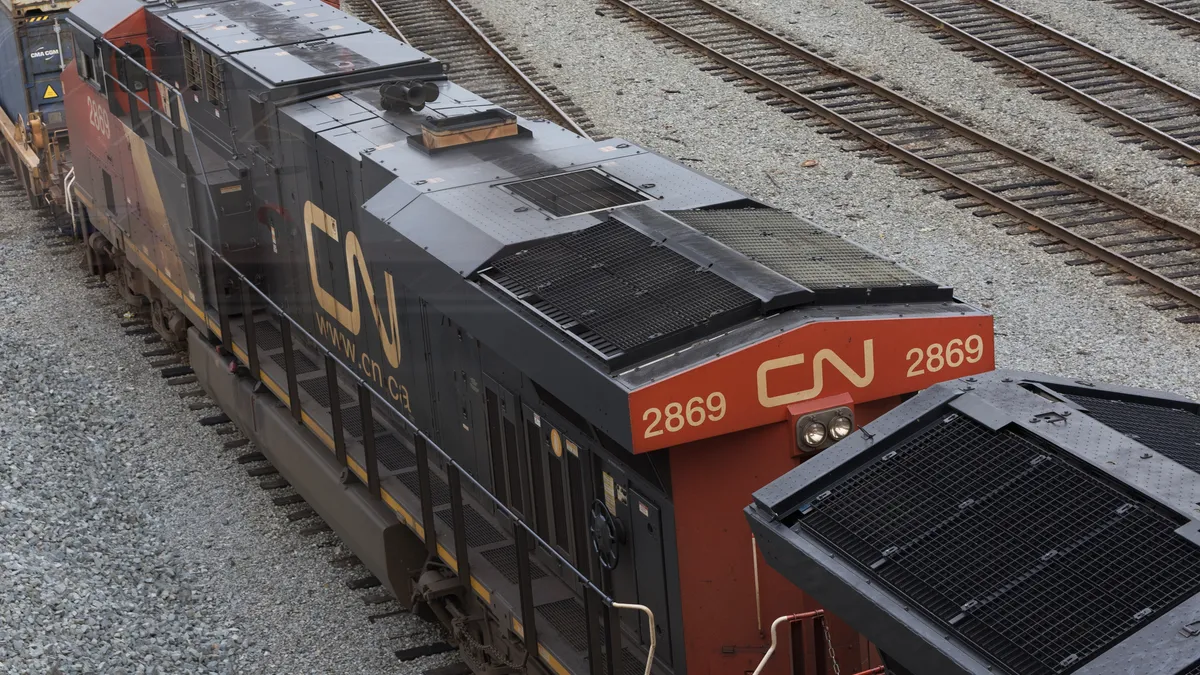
(351, 317)
(818, 369)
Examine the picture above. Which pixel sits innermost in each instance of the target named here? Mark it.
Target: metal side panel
(385, 545)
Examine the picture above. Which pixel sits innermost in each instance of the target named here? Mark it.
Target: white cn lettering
(818, 371)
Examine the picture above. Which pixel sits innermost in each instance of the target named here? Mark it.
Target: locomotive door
(508, 469)
(639, 573)
(646, 536)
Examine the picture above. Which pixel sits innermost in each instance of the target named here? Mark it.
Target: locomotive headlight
(840, 427)
(814, 434)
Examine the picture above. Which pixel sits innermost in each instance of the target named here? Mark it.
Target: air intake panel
(1010, 523)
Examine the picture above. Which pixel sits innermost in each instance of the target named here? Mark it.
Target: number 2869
(937, 356)
(674, 416)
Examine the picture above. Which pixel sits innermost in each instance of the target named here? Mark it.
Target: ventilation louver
(617, 292)
(576, 192)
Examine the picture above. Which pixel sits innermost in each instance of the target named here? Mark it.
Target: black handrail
(411, 426)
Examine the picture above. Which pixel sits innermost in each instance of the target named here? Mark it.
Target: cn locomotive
(529, 378)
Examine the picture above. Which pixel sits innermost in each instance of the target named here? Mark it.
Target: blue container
(41, 44)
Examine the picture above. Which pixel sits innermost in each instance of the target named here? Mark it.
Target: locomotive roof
(641, 270)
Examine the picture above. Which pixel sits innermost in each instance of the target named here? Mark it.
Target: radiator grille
(612, 282)
(807, 254)
(569, 194)
(1174, 432)
(505, 561)
(1038, 563)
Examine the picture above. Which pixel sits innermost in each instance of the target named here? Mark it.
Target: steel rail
(555, 112)
(946, 25)
(1126, 264)
(1184, 20)
(383, 16)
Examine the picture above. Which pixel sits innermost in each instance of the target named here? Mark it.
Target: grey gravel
(1050, 317)
(130, 541)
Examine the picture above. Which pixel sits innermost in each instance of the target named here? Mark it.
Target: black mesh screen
(479, 531)
(304, 365)
(1174, 432)
(617, 284)
(568, 194)
(352, 422)
(267, 335)
(504, 559)
(319, 390)
(393, 454)
(568, 619)
(438, 490)
(1039, 564)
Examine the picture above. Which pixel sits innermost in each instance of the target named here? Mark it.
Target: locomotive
(529, 378)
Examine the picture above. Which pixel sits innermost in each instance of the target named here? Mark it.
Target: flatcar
(33, 127)
(529, 378)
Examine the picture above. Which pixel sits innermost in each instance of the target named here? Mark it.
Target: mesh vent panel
(567, 617)
(1171, 431)
(505, 561)
(320, 392)
(576, 192)
(807, 254)
(616, 283)
(304, 365)
(1036, 562)
(479, 531)
(267, 335)
(437, 487)
(393, 454)
(352, 422)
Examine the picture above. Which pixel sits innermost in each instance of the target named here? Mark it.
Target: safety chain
(464, 635)
(837, 670)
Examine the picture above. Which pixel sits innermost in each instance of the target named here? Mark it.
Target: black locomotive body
(524, 344)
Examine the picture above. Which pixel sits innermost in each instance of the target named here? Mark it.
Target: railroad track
(1006, 186)
(456, 34)
(1180, 15)
(1135, 105)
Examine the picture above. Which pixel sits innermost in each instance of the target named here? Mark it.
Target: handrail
(653, 633)
(416, 431)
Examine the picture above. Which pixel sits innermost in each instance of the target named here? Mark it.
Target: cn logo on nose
(825, 356)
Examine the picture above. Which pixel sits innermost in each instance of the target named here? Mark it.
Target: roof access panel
(349, 55)
(247, 25)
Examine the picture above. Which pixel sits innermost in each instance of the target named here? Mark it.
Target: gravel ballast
(1049, 317)
(130, 540)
